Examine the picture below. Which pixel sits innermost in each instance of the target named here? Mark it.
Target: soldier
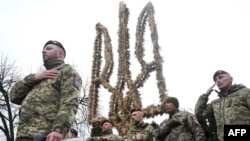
(48, 99)
(180, 126)
(141, 131)
(107, 133)
(232, 106)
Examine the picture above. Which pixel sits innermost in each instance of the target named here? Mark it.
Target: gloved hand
(174, 123)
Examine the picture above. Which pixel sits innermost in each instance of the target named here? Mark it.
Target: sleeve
(148, 134)
(70, 86)
(113, 137)
(201, 106)
(130, 136)
(204, 115)
(21, 89)
(195, 128)
(247, 98)
(162, 131)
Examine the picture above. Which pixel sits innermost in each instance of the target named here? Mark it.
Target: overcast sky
(196, 39)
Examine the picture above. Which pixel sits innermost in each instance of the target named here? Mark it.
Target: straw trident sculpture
(121, 101)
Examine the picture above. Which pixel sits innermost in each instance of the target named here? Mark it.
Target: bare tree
(8, 112)
(81, 123)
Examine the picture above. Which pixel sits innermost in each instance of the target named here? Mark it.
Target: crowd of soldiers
(49, 103)
(181, 125)
(207, 124)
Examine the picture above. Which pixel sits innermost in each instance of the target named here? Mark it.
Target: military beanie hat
(54, 42)
(173, 100)
(219, 72)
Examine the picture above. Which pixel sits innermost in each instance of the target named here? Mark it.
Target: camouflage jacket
(208, 124)
(48, 105)
(226, 110)
(143, 128)
(110, 137)
(184, 128)
(107, 135)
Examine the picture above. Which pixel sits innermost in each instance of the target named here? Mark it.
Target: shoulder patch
(195, 120)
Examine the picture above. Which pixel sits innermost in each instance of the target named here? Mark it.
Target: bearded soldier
(107, 133)
(48, 99)
(141, 131)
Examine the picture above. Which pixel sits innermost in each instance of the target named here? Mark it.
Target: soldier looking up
(48, 99)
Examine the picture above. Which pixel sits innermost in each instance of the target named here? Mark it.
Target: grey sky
(196, 38)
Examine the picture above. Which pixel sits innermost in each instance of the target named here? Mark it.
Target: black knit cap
(173, 100)
(54, 42)
(219, 72)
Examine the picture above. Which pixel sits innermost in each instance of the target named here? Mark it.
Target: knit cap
(173, 100)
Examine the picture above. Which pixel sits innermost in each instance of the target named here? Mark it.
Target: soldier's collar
(49, 64)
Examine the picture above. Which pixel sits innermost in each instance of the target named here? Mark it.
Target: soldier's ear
(61, 54)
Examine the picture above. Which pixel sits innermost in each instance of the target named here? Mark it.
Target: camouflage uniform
(208, 124)
(227, 110)
(180, 126)
(109, 135)
(48, 105)
(142, 128)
